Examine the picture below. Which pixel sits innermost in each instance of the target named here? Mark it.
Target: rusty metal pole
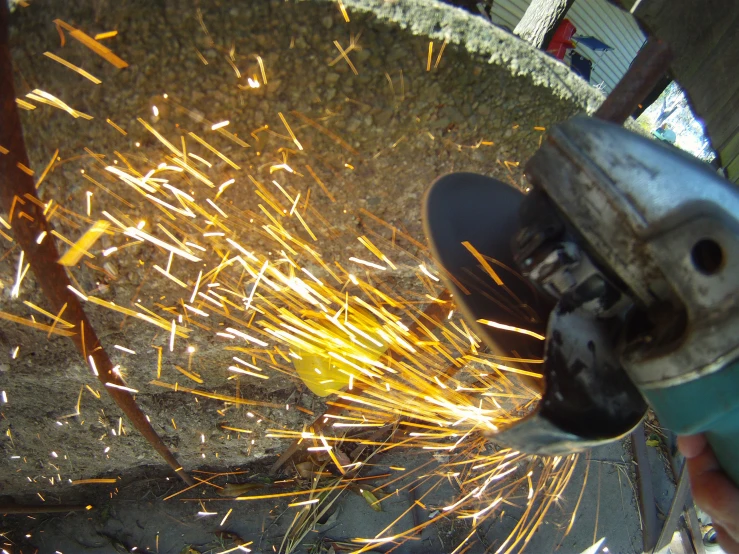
(17, 185)
(649, 66)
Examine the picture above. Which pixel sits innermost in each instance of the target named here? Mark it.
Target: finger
(715, 492)
(728, 544)
(699, 455)
(691, 445)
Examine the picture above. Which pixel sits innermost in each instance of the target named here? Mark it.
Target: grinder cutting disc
(483, 212)
(471, 222)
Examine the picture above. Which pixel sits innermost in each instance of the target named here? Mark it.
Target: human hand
(712, 490)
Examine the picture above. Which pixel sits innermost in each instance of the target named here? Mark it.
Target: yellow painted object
(81, 247)
(320, 369)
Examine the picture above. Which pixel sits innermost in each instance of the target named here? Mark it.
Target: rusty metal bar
(52, 277)
(650, 64)
(647, 503)
(679, 502)
(692, 525)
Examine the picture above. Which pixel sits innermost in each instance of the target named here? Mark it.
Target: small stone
(111, 268)
(383, 118)
(353, 124)
(327, 22)
(363, 55)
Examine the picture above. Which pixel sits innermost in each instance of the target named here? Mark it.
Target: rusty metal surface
(52, 277)
(650, 64)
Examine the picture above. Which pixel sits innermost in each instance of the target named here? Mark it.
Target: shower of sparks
(345, 55)
(255, 280)
(261, 68)
(121, 387)
(441, 51)
(94, 481)
(91, 43)
(73, 67)
(85, 242)
(223, 521)
(24, 105)
(511, 328)
(116, 127)
(106, 34)
(344, 13)
(44, 97)
(15, 291)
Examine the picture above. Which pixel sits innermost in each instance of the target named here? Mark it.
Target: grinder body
(633, 250)
(663, 229)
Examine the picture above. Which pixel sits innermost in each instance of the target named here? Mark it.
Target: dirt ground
(140, 515)
(481, 103)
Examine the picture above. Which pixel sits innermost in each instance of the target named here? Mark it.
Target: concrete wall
(595, 18)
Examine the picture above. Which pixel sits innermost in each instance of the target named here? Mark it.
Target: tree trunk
(541, 19)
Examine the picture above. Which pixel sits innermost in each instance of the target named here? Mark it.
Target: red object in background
(561, 41)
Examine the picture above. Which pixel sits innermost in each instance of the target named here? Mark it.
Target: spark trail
(239, 250)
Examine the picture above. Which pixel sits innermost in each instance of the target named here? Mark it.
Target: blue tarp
(593, 43)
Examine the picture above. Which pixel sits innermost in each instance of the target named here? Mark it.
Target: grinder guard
(588, 398)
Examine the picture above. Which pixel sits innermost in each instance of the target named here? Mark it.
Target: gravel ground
(393, 128)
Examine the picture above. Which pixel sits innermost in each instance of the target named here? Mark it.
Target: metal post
(52, 277)
(650, 64)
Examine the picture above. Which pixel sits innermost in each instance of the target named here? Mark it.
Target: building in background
(592, 18)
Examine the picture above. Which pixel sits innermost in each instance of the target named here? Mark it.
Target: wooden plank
(715, 83)
(704, 40)
(692, 29)
(723, 122)
(724, 135)
(732, 170)
(729, 150)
